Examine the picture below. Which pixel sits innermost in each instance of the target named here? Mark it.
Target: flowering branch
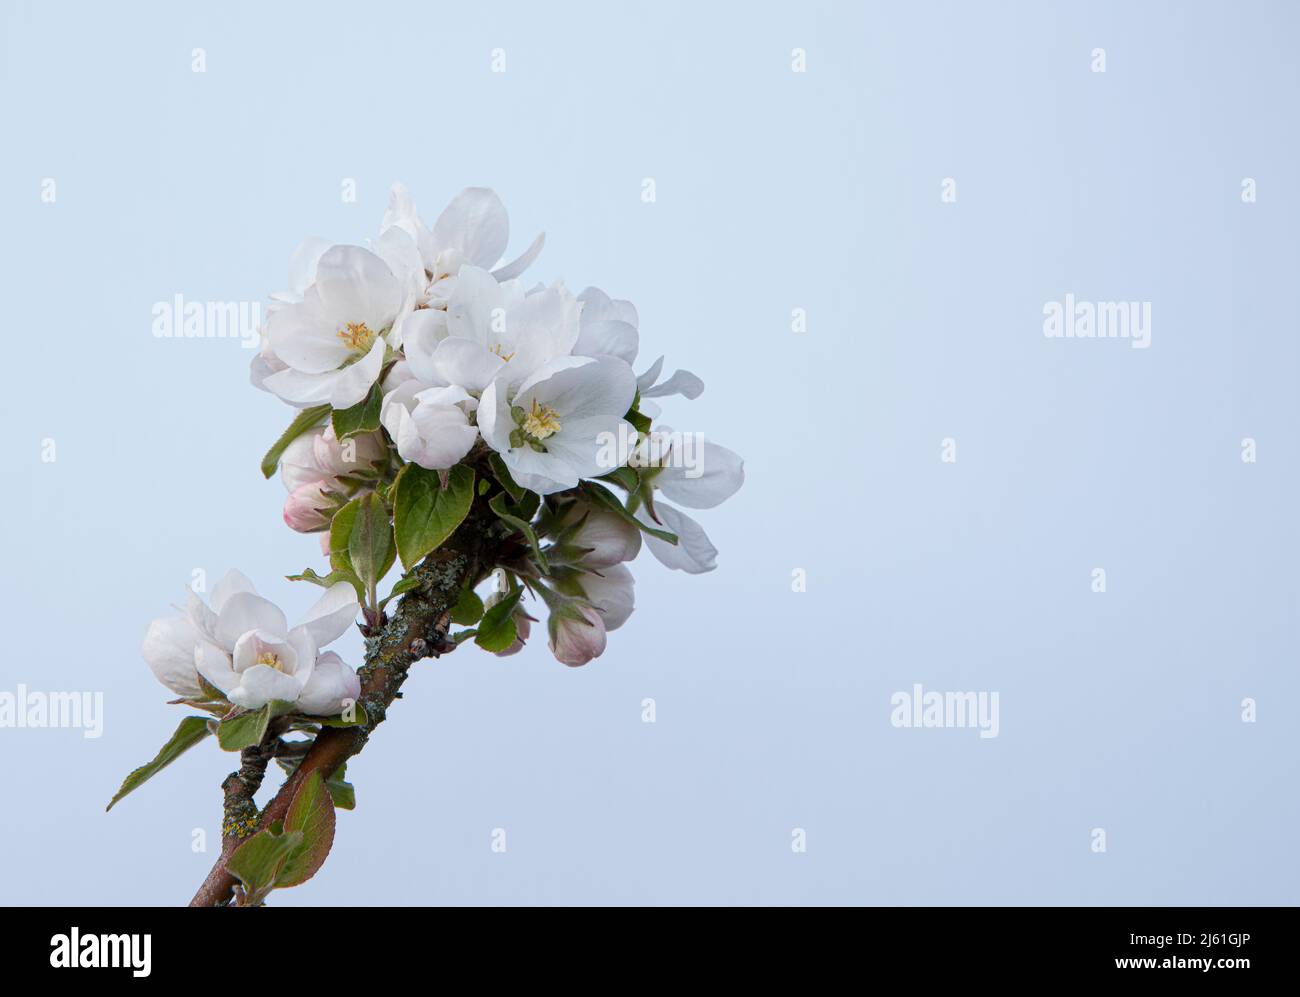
(457, 422)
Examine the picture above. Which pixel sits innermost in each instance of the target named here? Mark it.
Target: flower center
(357, 337)
(500, 351)
(542, 421)
(271, 660)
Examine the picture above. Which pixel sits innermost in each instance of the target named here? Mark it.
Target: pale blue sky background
(775, 191)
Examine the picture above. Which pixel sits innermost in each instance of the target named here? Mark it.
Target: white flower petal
(330, 616)
(474, 223)
(332, 683)
(612, 592)
(214, 665)
(355, 285)
(168, 650)
(719, 473)
(443, 436)
(693, 552)
(261, 684)
(304, 646)
(302, 265)
(398, 249)
(352, 384)
(304, 336)
(253, 645)
(245, 611)
(464, 362)
(646, 381)
(203, 618)
(683, 382)
(421, 331)
(521, 263)
(231, 583)
(608, 337)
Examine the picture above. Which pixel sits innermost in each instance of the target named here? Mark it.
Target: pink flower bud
(302, 508)
(609, 538)
(577, 635)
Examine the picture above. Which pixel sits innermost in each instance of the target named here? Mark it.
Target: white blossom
(332, 341)
(549, 430)
(242, 645)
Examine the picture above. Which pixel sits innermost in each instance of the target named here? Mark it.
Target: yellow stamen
(271, 660)
(358, 337)
(541, 422)
(500, 351)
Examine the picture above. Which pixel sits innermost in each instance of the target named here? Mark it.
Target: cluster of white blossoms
(431, 378)
(464, 439)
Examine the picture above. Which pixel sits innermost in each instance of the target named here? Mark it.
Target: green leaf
(502, 474)
(191, 731)
(468, 609)
(333, 578)
(625, 477)
(370, 546)
(342, 792)
(312, 815)
(341, 537)
(244, 730)
(403, 584)
(509, 515)
(363, 417)
(307, 419)
(603, 497)
(640, 422)
(258, 862)
(424, 515)
(358, 718)
(496, 631)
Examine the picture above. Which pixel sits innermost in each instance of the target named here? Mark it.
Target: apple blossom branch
(453, 418)
(417, 630)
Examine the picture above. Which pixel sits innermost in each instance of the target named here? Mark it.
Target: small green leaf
(307, 419)
(468, 609)
(312, 815)
(341, 537)
(640, 422)
(259, 860)
(496, 631)
(625, 477)
(363, 417)
(370, 545)
(333, 578)
(403, 584)
(503, 475)
(354, 717)
(191, 731)
(244, 730)
(424, 514)
(342, 792)
(603, 497)
(509, 515)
